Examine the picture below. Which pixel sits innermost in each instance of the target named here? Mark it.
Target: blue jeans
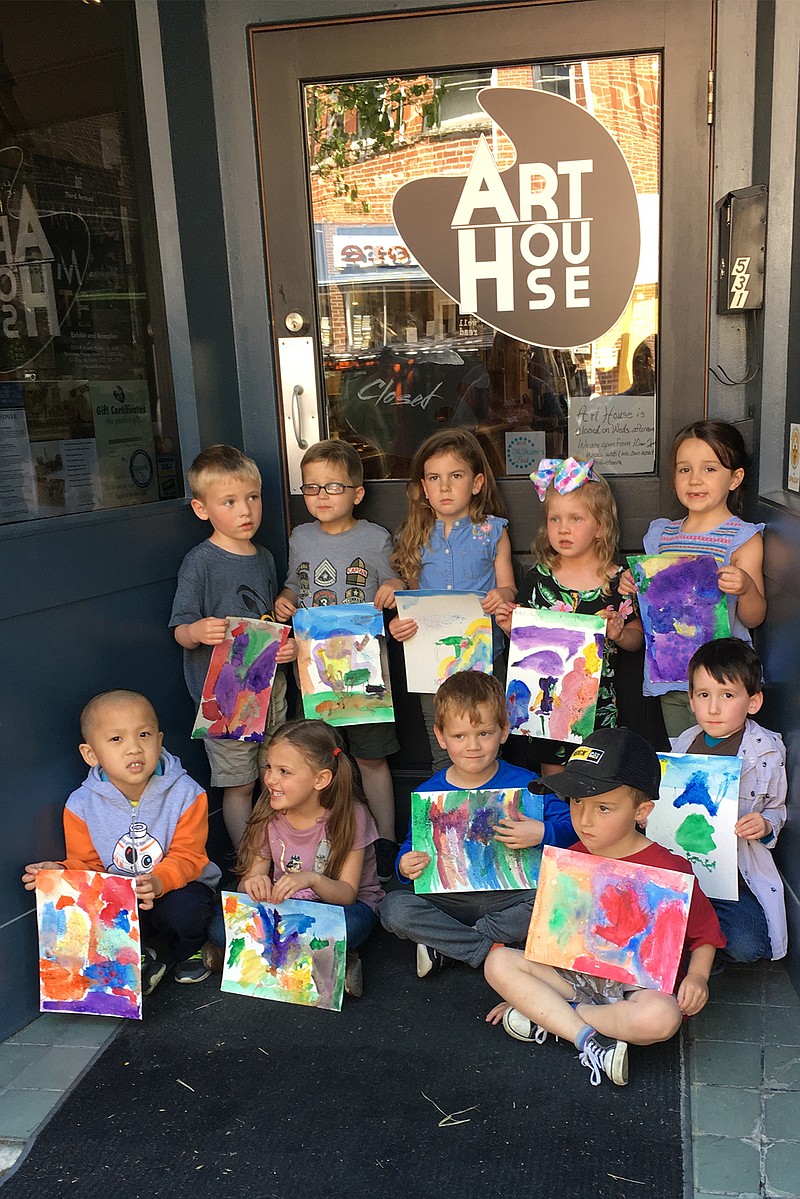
(462, 926)
(745, 925)
(358, 917)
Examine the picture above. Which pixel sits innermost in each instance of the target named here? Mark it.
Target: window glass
(400, 359)
(86, 410)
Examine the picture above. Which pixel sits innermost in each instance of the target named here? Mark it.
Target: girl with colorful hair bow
(575, 571)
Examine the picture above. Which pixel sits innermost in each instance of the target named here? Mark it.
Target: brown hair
(416, 530)
(463, 692)
(219, 462)
(317, 744)
(726, 442)
(338, 453)
(95, 705)
(599, 500)
(728, 660)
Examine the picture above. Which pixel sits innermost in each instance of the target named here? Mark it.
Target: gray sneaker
(602, 1055)
(192, 970)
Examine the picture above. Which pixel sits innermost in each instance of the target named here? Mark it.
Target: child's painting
(697, 808)
(90, 958)
(681, 608)
(341, 659)
(238, 684)
(554, 664)
(456, 829)
(293, 952)
(454, 634)
(610, 919)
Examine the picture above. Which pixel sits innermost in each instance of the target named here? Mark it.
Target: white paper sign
(125, 448)
(618, 432)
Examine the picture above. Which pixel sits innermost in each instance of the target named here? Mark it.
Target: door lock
(296, 322)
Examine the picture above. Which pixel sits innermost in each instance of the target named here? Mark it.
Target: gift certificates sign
(545, 250)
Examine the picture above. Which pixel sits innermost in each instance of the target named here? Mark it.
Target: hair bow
(566, 474)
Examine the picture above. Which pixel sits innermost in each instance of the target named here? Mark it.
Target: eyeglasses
(328, 488)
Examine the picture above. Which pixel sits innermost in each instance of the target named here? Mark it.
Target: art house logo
(545, 250)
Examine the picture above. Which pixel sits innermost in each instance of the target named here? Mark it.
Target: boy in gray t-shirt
(227, 576)
(337, 559)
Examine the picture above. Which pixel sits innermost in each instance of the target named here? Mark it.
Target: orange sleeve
(80, 851)
(186, 857)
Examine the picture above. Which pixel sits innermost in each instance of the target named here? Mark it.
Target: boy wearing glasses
(337, 559)
(227, 575)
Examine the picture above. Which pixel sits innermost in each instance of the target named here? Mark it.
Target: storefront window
(86, 407)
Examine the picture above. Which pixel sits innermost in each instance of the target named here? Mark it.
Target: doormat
(407, 1093)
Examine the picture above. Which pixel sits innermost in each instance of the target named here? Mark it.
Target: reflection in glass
(400, 359)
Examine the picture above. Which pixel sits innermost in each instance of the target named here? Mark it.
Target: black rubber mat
(406, 1093)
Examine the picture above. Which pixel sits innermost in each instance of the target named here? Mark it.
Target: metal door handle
(297, 426)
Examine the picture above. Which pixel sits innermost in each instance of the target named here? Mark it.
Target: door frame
(286, 57)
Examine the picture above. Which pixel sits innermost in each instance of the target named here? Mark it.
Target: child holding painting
(611, 783)
(471, 725)
(227, 575)
(454, 538)
(311, 836)
(724, 693)
(574, 571)
(708, 469)
(336, 559)
(138, 814)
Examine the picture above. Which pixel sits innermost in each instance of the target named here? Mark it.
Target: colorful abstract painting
(239, 680)
(610, 919)
(341, 659)
(698, 806)
(554, 664)
(454, 634)
(293, 952)
(90, 958)
(456, 830)
(681, 608)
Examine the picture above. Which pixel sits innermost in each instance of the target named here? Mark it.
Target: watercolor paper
(90, 958)
(697, 808)
(341, 659)
(456, 830)
(681, 607)
(238, 684)
(293, 952)
(610, 919)
(554, 665)
(454, 634)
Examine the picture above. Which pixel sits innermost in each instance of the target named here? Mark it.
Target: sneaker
(522, 1029)
(213, 957)
(152, 970)
(354, 975)
(601, 1055)
(385, 854)
(193, 970)
(429, 961)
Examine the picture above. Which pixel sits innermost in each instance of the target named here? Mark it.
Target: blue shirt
(557, 821)
(464, 561)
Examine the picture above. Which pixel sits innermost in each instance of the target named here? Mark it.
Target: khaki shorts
(237, 763)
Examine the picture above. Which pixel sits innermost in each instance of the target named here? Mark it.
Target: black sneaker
(385, 854)
(152, 970)
(602, 1055)
(192, 970)
(429, 961)
(522, 1029)
(354, 975)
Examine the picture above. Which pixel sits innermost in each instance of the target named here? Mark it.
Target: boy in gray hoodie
(139, 814)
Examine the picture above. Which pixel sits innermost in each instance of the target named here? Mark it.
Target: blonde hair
(416, 529)
(319, 746)
(219, 462)
(596, 495)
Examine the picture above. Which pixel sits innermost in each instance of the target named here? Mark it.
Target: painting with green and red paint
(698, 806)
(612, 919)
(453, 634)
(554, 665)
(90, 958)
(681, 607)
(293, 952)
(456, 830)
(238, 685)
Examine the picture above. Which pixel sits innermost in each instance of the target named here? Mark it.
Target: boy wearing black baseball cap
(611, 784)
